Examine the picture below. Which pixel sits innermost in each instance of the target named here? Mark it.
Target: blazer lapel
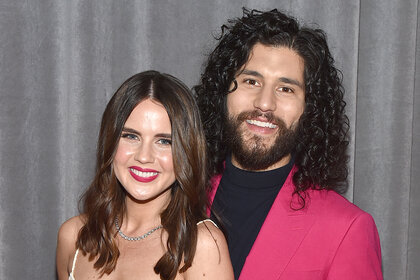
(280, 236)
(214, 183)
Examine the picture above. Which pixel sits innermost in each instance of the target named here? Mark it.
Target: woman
(144, 213)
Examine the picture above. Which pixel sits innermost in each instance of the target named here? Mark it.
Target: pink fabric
(215, 181)
(330, 238)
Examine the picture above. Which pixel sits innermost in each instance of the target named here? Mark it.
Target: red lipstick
(142, 177)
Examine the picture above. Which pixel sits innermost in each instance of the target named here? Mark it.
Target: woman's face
(143, 162)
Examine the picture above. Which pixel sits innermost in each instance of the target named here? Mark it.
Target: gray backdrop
(60, 61)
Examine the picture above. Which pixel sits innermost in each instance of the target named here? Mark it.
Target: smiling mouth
(261, 124)
(143, 174)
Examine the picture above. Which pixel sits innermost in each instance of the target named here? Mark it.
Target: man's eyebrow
(281, 79)
(291, 81)
(252, 73)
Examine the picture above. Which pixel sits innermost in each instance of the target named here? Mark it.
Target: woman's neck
(141, 216)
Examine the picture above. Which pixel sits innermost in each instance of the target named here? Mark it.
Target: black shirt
(242, 202)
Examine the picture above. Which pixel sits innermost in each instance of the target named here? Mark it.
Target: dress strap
(74, 261)
(207, 220)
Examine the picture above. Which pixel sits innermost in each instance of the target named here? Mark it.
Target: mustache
(255, 114)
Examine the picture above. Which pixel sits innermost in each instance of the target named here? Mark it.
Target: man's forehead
(279, 62)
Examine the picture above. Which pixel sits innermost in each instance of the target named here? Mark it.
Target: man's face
(264, 110)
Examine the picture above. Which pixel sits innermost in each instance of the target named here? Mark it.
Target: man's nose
(265, 101)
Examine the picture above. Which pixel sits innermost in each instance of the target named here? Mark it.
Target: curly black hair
(321, 149)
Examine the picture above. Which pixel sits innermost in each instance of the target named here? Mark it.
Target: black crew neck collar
(256, 179)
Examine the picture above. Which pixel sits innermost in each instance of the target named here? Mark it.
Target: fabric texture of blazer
(330, 238)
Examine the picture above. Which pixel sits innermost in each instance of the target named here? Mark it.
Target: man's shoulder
(328, 204)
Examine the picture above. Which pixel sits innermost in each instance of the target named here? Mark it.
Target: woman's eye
(129, 136)
(165, 141)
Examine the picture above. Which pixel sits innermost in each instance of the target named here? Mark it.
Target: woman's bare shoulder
(66, 245)
(70, 229)
(209, 234)
(211, 260)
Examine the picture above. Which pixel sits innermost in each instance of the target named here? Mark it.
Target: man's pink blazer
(330, 238)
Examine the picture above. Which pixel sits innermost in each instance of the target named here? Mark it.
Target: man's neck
(282, 162)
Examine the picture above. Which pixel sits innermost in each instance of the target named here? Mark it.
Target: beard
(253, 153)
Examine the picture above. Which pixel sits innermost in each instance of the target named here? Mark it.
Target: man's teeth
(261, 124)
(143, 174)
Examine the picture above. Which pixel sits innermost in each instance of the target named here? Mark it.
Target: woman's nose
(144, 154)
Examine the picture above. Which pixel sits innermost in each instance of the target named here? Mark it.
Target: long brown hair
(321, 148)
(104, 200)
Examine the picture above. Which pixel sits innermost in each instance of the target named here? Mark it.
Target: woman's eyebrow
(131, 130)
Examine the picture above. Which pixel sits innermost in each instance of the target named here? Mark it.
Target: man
(272, 106)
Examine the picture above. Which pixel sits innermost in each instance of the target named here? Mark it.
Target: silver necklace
(137, 238)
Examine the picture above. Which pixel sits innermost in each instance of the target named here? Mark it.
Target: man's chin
(264, 145)
(255, 151)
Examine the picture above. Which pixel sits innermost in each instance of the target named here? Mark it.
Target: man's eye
(165, 141)
(251, 82)
(286, 89)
